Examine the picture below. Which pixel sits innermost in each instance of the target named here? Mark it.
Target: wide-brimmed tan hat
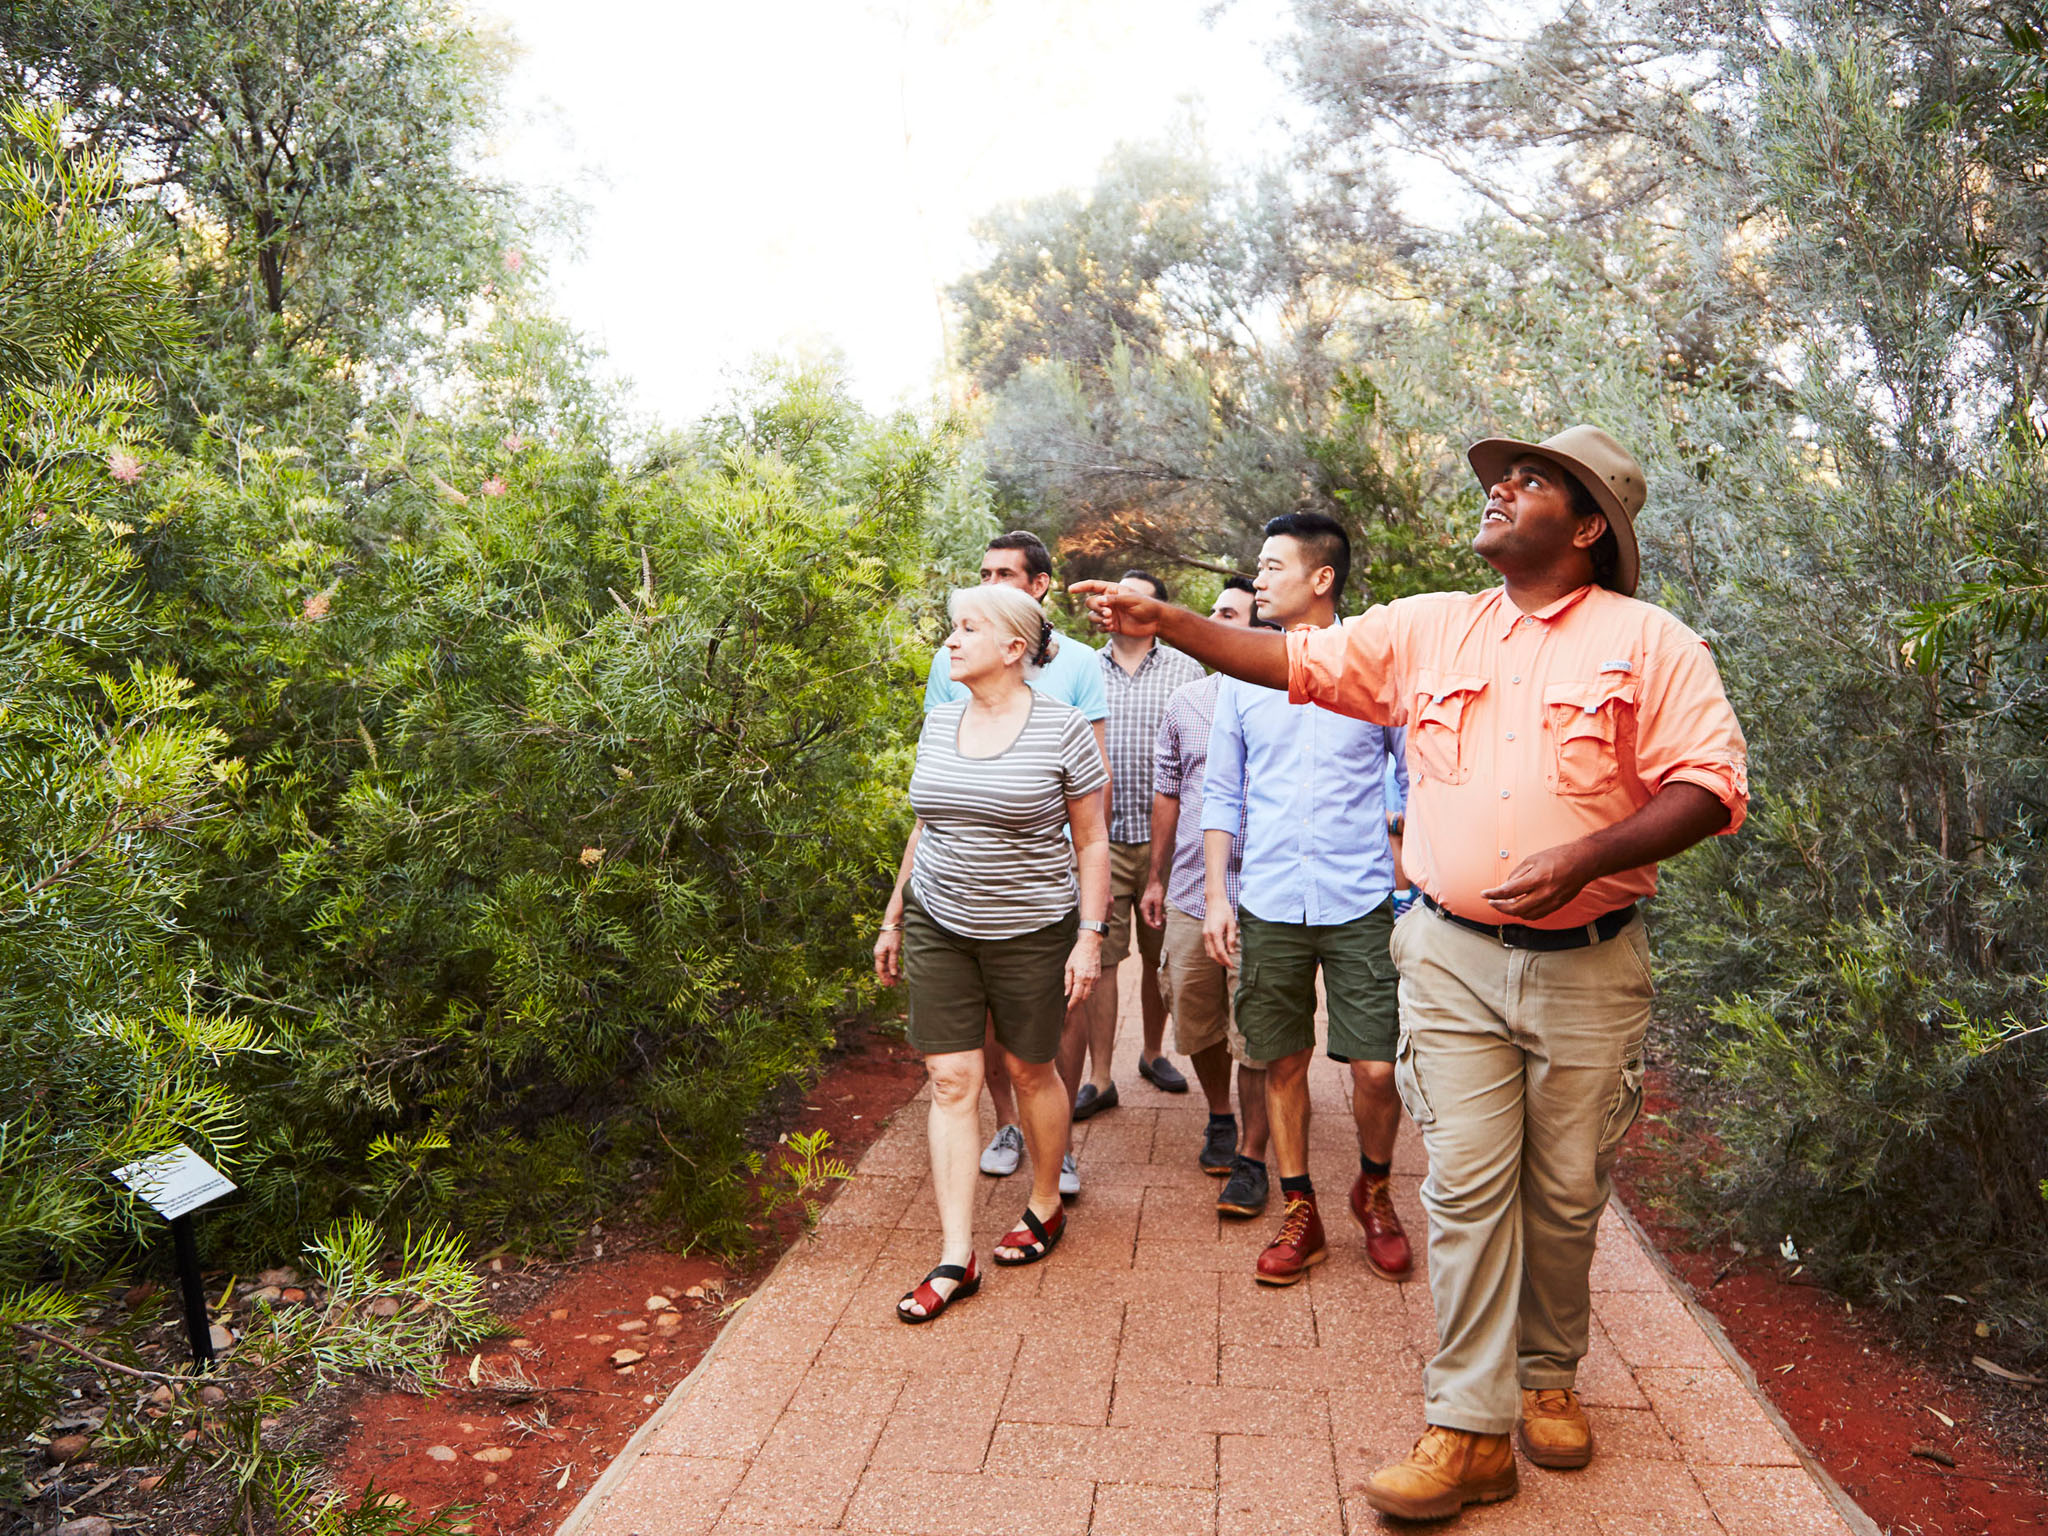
(1598, 463)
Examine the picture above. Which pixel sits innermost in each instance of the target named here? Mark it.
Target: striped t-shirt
(993, 861)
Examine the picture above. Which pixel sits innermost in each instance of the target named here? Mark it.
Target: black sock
(1223, 1119)
(1372, 1169)
(1298, 1185)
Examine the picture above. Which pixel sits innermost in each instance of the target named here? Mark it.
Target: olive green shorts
(958, 986)
(1276, 986)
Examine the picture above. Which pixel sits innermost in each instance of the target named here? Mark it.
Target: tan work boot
(1448, 1469)
(1554, 1431)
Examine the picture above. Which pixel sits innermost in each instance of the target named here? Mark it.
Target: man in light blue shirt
(1073, 676)
(1315, 893)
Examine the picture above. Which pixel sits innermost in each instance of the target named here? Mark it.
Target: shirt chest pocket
(1587, 723)
(1440, 725)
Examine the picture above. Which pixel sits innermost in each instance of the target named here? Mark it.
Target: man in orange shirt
(1562, 739)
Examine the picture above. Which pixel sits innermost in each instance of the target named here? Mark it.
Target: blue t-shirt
(1073, 676)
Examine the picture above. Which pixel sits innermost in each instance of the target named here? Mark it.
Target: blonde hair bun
(1014, 614)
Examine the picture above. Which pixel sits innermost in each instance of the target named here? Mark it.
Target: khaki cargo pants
(1524, 1071)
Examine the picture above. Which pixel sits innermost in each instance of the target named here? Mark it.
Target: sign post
(175, 1184)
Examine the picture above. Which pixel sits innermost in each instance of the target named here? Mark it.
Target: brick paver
(1139, 1381)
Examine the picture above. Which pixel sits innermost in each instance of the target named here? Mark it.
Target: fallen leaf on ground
(1993, 1368)
(1951, 1423)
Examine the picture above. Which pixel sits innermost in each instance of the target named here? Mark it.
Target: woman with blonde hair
(987, 923)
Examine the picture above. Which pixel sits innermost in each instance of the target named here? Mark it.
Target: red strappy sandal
(1035, 1239)
(927, 1296)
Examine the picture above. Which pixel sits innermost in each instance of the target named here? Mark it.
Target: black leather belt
(1522, 936)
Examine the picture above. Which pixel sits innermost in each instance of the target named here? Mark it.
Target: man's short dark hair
(1606, 550)
(1158, 587)
(1322, 538)
(1037, 558)
(1241, 584)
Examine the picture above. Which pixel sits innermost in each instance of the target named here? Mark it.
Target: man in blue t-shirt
(1073, 676)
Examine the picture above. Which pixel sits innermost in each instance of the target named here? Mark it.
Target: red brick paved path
(1139, 1381)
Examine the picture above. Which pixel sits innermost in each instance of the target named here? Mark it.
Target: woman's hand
(1084, 967)
(889, 952)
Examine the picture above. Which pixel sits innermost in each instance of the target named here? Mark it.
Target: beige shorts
(1197, 990)
(1130, 866)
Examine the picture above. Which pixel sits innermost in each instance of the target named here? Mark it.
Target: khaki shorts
(1130, 866)
(1197, 990)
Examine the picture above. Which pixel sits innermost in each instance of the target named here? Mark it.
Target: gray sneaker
(1070, 1178)
(1000, 1157)
(1244, 1194)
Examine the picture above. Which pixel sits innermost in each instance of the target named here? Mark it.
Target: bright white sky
(776, 175)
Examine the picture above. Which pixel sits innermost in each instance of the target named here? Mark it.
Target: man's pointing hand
(1119, 610)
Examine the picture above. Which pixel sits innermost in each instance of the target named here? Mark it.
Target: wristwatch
(1089, 925)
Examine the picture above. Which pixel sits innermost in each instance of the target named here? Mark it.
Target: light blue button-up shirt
(1314, 790)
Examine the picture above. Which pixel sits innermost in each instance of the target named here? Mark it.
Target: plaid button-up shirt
(1183, 759)
(1137, 703)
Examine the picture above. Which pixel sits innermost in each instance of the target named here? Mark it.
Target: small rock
(149, 1484)
(668, 1322)
(212, 1395)
(695, 1293)
(88, 1525)
(647, 1398)
(628, 1356)
(490, 1478)
(497, 1266)
(163, 1395)
(559, 1315)
(467, 1429)
(657, 1303)
(441, 1452)
(292, 1295)
(223, 1338)
(519, 1343)
(283, 1275)
(383, 1306)
(636, 1325)
(600, 1338)
(68, 1448)
(270, 1293)
(629, 1370)
(492, 1454)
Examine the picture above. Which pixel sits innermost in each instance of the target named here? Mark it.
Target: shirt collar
(1151, 655)
(1506, 614)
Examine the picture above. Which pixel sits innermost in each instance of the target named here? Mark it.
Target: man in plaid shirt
(1139, 676)
(1196, 987)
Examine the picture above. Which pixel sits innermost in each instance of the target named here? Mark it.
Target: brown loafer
(1448, 1469)
(1554, 1432)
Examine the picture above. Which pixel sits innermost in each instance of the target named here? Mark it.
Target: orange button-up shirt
(1526, 731)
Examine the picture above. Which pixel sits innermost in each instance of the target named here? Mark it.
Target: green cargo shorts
(1276, 986)
(958, 986)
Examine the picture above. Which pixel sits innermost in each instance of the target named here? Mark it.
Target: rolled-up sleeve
(1686, 730)
(1166, 753)
(1348, 668)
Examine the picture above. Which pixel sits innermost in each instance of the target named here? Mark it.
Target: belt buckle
(1504, 930)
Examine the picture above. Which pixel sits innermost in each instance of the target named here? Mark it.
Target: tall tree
(320, 160)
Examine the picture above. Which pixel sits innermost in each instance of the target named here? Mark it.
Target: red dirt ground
(524, 1456)
(1860, 1406)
